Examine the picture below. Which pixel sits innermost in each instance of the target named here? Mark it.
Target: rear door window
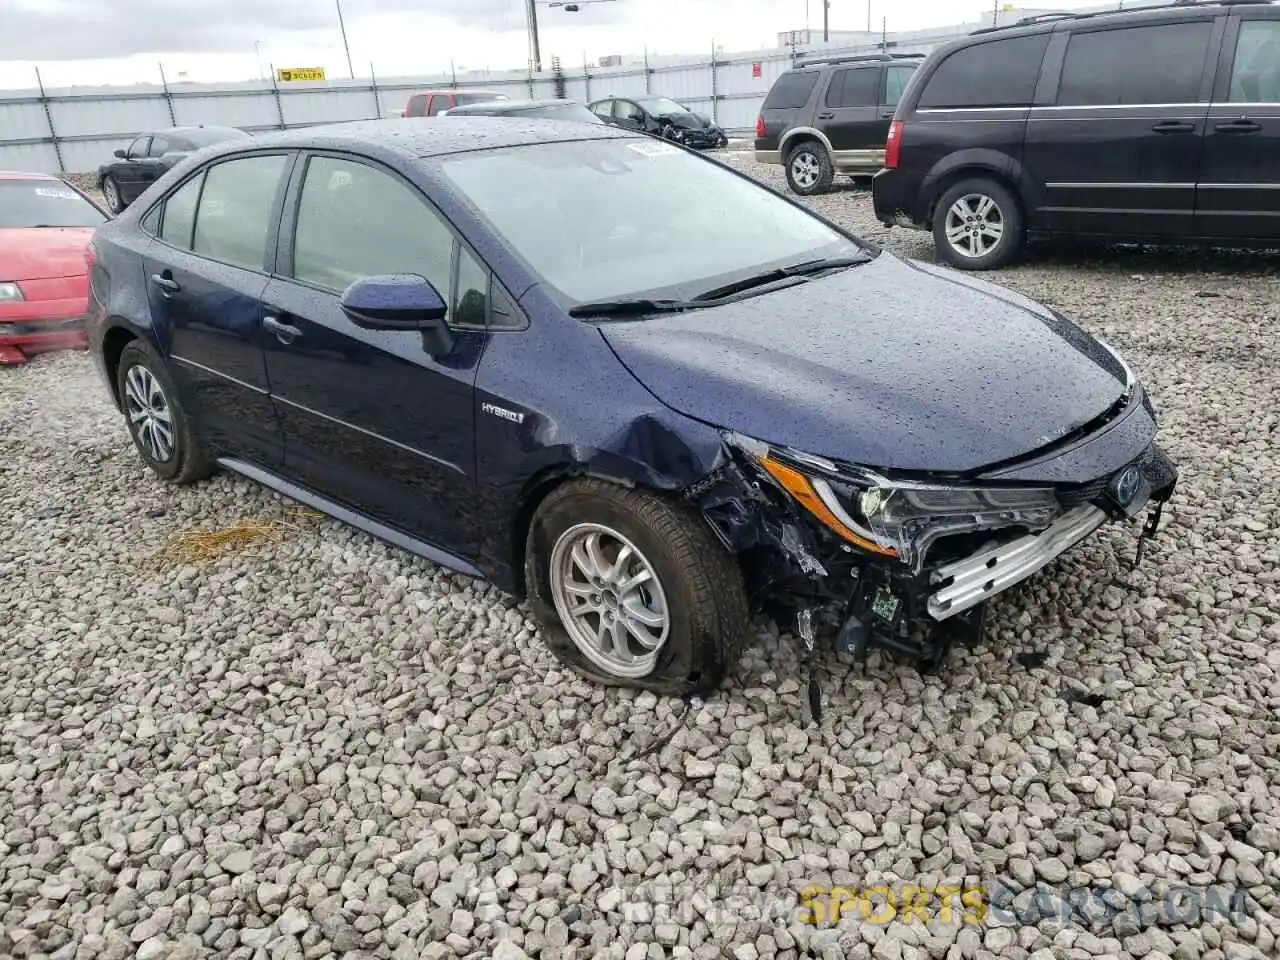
(791, 91)
(235, 210)
(1161, 63)
(1255, 76)
(997, 73)
(895, 84)
(858, 87)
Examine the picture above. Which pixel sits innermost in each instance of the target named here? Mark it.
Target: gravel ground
(319, 746)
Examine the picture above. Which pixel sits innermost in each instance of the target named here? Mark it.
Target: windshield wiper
(632, 308)
(802, 269)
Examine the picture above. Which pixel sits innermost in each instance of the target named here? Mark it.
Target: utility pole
(343, 27)
(531, 12)
(995, 13)
(826, 10)
(868, 16)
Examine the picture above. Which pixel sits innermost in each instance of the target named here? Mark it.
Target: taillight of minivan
(893, 145)
(760, 125)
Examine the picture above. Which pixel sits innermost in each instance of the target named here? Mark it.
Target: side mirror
(121, 153)
(400, 302)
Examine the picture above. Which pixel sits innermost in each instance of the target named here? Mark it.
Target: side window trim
(292, 209)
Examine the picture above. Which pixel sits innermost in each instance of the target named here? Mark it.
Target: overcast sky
(121, 41)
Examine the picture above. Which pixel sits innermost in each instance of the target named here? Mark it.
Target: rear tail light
(90, 256)
(760, 125)
(893, 145)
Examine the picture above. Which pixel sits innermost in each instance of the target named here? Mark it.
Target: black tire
(111, 194)
(706, 597)
(1006, 207)
(815, 157)
(187, 462)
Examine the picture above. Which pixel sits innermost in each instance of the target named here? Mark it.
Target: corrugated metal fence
(74, 130)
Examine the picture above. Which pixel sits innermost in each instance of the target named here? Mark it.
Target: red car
(45, 226)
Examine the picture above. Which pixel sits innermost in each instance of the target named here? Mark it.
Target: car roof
(439, 136)
(1048, 21)
(25, 175)
(450, 90)
(513, 106)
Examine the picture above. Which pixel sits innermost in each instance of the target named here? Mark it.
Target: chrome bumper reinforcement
(970, 581)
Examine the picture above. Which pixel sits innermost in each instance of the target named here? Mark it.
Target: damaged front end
(853, 559)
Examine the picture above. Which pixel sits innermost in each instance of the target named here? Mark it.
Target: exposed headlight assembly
(10, 292)
(893, 518)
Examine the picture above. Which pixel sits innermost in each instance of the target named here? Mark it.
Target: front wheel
(977, 225)
(631, 590)
(111, 194)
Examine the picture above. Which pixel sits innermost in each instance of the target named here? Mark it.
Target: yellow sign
(288, 74)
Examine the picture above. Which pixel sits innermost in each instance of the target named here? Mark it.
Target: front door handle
(826, 116)
(1238, 126)
(284, 333)
(166, 282)
(887, 114)
(1174, 126)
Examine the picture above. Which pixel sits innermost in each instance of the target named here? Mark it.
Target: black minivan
(1158, 125)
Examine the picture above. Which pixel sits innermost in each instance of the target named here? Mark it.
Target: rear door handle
(826, 116)
(1238, 126)
(887, 114)
(1174, 126)
(166, 283)
(284, 333)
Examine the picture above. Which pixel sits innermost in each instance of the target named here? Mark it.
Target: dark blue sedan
(617, 378)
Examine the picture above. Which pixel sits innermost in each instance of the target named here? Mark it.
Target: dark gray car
(831, 116)
(547, 109)
(151, 156)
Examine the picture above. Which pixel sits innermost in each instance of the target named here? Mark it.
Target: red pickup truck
(429, 103)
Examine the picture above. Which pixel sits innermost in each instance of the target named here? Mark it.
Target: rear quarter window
(995, 73)
(791, 91)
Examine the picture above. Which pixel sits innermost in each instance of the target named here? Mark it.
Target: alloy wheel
(111, 193)
(148, 410)
(975, 225)
(609, 599)
(805, 170)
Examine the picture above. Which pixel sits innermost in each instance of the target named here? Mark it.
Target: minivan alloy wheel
(148, 410)
(974, 225)
(609, 599)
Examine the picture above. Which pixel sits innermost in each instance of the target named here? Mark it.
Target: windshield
(623, 218)
(661, 106)
(44, 203)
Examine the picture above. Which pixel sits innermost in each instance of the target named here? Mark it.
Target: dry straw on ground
(206, 546)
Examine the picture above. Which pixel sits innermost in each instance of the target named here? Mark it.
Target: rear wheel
(631, 590)
(809, 169)
(111, 194)
(159, 426)
(977, 225)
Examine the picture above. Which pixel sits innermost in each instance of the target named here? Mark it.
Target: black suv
(1157, 125)
(832, 116)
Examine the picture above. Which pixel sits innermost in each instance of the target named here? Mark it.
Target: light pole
(343, 27)
(531, 14)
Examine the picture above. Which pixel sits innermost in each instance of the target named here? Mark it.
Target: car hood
(684, 119)
(889, 364)
(43, 253)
